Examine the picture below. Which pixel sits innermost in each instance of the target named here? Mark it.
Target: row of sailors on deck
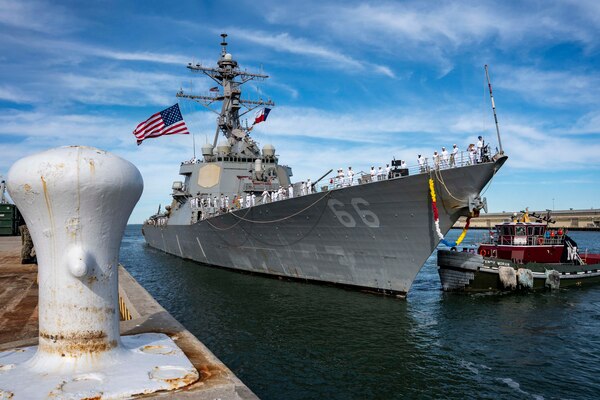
(347, 179)
(447, 159)
(224, 204)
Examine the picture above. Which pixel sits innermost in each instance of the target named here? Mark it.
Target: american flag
(166, 122)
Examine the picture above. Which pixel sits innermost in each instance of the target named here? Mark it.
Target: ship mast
(230, 95)
(487, 75)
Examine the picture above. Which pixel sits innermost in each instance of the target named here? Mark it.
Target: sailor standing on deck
(453, 156)
(252, 199)
(436, 160)
(421, 161)
(227, 202)
(380, 174)
(387, 171)
(479, 148)
(291, 192)
(350, 176)
(472, 153)
(265, 196)
(308, 186)
(373, 174)
(248, 200)
(444, 158)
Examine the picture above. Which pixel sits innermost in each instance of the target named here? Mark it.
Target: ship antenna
(487, 75)
(224, 44)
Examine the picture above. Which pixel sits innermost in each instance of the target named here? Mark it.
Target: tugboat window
(520, 231)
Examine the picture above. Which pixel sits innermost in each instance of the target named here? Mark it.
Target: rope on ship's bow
(284, 218)
(436, 219)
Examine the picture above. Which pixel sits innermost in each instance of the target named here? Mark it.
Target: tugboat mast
(230, 94)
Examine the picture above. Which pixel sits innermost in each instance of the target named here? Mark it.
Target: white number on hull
(368, 217)
(344, 217)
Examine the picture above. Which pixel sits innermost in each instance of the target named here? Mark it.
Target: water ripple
(288, 340)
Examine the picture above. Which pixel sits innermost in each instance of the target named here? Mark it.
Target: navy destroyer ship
(238, 208)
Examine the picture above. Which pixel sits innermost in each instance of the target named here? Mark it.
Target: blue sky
(355, 83)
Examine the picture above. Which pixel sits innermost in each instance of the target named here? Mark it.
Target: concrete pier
(19, 325)
(575, 220)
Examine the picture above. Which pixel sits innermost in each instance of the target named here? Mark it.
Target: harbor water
(287, 340)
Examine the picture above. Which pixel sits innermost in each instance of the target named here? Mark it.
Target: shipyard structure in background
(575, 220)
(238, 208)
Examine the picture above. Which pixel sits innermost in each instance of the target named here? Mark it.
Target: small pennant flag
(261, 115)
(166, 122)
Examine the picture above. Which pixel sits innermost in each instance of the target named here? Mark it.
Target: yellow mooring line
(125, 314)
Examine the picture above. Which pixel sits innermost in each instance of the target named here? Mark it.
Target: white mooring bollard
(76, 202)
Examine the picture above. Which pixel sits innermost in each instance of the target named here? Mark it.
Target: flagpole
(194, 143)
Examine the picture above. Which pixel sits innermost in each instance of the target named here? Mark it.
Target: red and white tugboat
(519, 255)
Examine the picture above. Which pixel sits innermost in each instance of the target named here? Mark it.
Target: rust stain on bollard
(75, 343)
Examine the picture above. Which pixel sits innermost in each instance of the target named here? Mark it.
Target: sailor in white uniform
(387, 171)
(265, 197)
(373, 174)
(350, 176)
(291, 192)
(453, 156)
(444, 158)
(380, 174)
(436, 160)
(472, 153)
(421, 162)
(252, 200)
(308, 186)
(479, 148)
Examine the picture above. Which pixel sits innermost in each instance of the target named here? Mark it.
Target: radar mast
(230, 79)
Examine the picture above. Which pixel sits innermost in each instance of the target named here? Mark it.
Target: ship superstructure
(238, 208)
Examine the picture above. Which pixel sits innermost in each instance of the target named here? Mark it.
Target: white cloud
(550, 87)
(283, 42)
(38, 16)
(413, 30)
(13, 94)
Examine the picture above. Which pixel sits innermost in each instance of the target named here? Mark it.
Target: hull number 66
(368, 217)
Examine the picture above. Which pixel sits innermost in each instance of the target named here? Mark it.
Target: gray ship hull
(373, 236)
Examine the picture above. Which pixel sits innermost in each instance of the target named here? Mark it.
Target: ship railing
(535, 240)
(206, 207)
(461, 159)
